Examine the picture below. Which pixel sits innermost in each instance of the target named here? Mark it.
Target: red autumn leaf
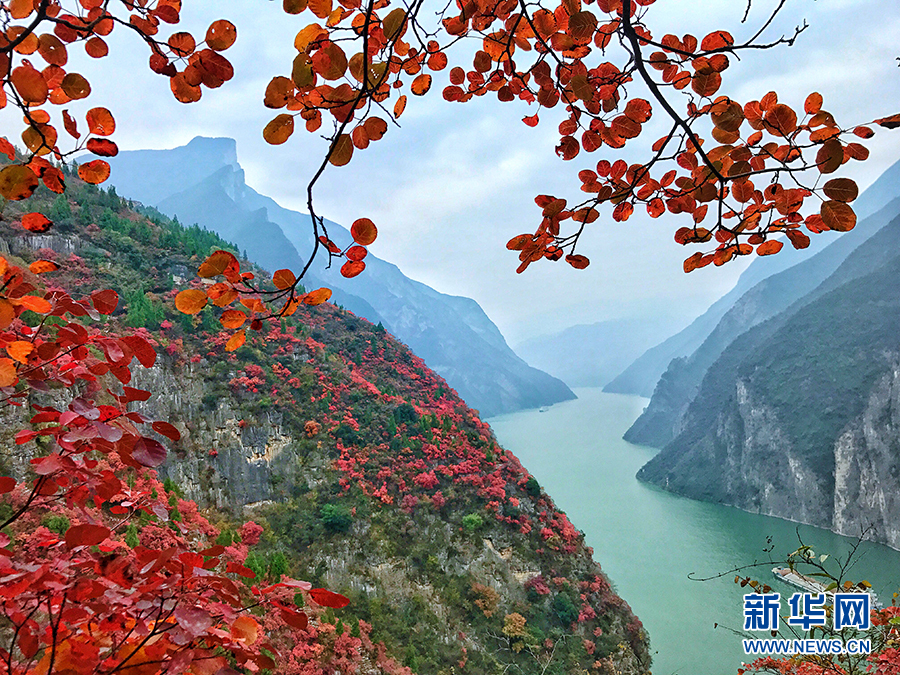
(36, 222)
(86, 535)
(363, 231)
(577, 261)
(7, 484)
(102, 147)
(295, 619)
(327, 598)
(105, 301)
(352, 268)
(195, 621)
(148, 452)
(166, 430)
(770, 247)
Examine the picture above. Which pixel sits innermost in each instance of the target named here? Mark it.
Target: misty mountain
(590, 355)
(641, 377)
(203, 183)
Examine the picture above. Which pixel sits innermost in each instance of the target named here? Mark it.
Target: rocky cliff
(365, 470)
(798, 417)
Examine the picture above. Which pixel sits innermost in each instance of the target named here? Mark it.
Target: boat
(810, 585)
(544, 408)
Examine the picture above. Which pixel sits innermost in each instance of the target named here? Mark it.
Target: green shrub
(472, 522)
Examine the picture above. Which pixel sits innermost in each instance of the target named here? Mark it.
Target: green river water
(649, 541)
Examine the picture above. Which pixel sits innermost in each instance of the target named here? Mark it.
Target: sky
(449, 188)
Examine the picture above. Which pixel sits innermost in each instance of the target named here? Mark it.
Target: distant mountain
(798, 417)
(203, 183)
(590, 355)
(642, 376)
(662, 420)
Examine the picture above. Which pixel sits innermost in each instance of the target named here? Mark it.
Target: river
(648, 541)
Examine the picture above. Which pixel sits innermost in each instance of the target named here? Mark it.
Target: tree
(744, 172)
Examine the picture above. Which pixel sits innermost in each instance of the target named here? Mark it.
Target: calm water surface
(649, 541)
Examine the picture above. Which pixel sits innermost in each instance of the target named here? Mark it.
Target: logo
(807, 611)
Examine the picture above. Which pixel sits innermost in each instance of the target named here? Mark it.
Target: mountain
(203, 183)
(641, 377)
(798, 416)
(662, 420)
(361, 470)
(590, 355)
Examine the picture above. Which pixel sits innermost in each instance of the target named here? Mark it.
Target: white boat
(811, 585)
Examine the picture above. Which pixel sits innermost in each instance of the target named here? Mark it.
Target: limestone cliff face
(760, 468)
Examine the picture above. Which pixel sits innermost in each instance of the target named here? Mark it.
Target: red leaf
(86, 535)
(193, 620)
(295, 619)
(7, 484)
(327, 598)
(142, 350)
(167, 430)
(36, 222)
(105, 301)
(148, 452)
(236, 568)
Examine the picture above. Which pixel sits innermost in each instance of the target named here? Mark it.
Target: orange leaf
(813, 103)
(294, 6)
(579, 262)
(190, 301)
(19, 350)
(316, 297)
(235, 341)
(283, 279)
(363, 231)
(218, 263)
(43, 266)
(94, 172)
(8, 376)
(352, 268)
(399, 106)
(76, 86)
(421, 84)
(221, 35)
(100, 121)
(245, 629)
(279, 129)
(232, 318)
(7, 313)
(33, 303)
(838, 216)
(17, 182)
(30, 84)
(770, 247)
(36, 222)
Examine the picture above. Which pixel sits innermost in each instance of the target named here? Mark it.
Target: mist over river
(649, 541)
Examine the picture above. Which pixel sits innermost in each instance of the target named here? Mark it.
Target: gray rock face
(800, 417)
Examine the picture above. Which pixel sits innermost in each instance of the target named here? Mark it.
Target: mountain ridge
(454, 338)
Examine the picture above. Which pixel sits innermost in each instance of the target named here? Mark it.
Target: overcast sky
(457, 181)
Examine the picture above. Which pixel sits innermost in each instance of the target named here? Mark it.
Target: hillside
(797, 417)
(364, 470)
(768, 285)
(203, 183)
